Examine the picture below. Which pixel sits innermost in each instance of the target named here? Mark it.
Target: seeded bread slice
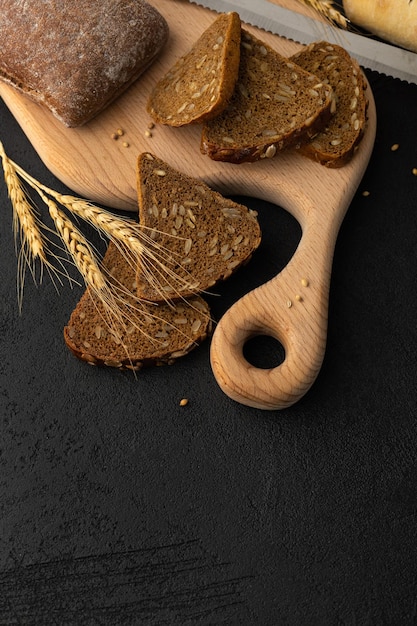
(205, 236)
(275, 104)
(148, 335)
(336, 144)
(201, 82)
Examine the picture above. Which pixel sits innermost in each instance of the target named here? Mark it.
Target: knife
(370, 53)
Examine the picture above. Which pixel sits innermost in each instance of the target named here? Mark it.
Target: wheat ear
(121, 307)
(28, 229)
(24, 219)
(327, 9)
(77, 245)
(132, 240)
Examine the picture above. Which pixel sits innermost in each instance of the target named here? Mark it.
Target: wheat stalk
(131, 239)
(326, 9)
(27, 227)
(119, 308)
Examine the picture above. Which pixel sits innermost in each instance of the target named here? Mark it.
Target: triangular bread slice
(336, 144)
(275, 104)
(199, 236)
(142, 334)
(201, 82)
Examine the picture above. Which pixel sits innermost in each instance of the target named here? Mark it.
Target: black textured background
(118, 506)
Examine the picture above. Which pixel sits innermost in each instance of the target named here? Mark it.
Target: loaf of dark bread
(335, 145)
(76, 56)
(275, 104)
(140, 334)
(200, 84)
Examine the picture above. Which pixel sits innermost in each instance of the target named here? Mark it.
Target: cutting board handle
(293, 306)
(293, 309)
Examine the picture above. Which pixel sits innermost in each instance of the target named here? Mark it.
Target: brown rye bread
(206, 236)
(77, 57)
(200, 84)
(336, 144)
(275, 104)
(148, 335)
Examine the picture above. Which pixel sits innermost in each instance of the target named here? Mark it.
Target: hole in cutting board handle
(264, 352)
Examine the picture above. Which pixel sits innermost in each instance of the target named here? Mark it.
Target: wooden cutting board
(293, 306)
(95, 166)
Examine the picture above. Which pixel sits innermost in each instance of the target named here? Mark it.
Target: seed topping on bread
(206, 235)
(142, 334)
(200, 84)
(275, 104)
(336, 144)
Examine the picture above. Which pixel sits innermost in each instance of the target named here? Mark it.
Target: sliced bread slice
(275, 104)
(141, 334)
(200, 84)
(336, 144)
(199, 236)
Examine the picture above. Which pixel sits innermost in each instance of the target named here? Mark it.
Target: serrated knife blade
(370, 53)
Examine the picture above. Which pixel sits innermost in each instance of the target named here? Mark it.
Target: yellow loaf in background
(392, 20)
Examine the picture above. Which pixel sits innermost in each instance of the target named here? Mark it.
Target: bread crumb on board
(118, 133)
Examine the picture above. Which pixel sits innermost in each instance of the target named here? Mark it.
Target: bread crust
(77, 57)
(252, 153)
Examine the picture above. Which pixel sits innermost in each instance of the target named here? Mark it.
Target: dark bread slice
(336, 144)
(201, 83)
(76, 57)
(275, 104)
(148, 334)
(206, 236)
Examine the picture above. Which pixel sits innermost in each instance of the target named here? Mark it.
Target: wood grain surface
(291, 307)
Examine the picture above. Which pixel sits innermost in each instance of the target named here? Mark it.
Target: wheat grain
(24, 218)
(77, 245)
(27, 229)
(326, 9)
